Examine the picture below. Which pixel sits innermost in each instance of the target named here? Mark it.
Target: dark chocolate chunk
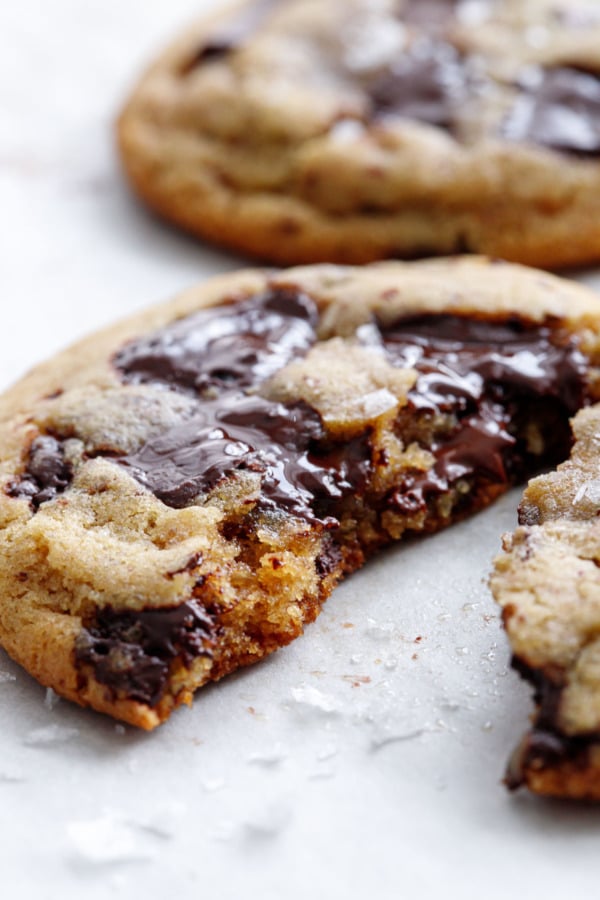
(225, 351)
(232, 35)
(479, 374)
(229, 347)
(527, 358)
(46, 474)
(429, 83)
(246, 433)
(484, 373)
(329, 559)
(558, 108)
(131, 652)
(545, 747)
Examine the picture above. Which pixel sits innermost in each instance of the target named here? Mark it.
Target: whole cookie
(180, 493)
(352, 130)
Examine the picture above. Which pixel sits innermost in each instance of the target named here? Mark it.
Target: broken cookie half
(181, 492)
(548, 582)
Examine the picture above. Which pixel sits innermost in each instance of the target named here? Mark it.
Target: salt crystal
(51, 699)
(377, 402)
(442, 725)
(469, 607)
(374, 44)
(50, 735)
(385, 740)
(7, 677)
(590, 492)
(311, 697)
(384, 631)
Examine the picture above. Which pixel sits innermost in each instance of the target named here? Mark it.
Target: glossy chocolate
(483, 373)
(474, 371)
(225, 351)
(131, 652)
(46, 475)
(298, 471)
(471, 372)
(427, 84)
(234, 346)
(558, 108)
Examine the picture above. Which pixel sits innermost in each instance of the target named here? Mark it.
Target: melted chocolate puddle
(477, 374)
(486, 375)
(237, 346)
(227, 353)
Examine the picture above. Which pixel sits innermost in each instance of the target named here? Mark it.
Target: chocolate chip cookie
(548, 582)
(349, 131)
(181, 493)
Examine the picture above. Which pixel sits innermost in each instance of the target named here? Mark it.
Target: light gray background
(366, 759)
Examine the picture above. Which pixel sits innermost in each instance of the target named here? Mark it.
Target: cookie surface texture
(349, 131)
(181, 492)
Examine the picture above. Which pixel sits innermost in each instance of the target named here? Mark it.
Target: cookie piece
(181, 493)
(349, 131)
(548, 582)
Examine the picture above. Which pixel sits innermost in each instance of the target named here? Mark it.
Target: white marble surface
(365, 760)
